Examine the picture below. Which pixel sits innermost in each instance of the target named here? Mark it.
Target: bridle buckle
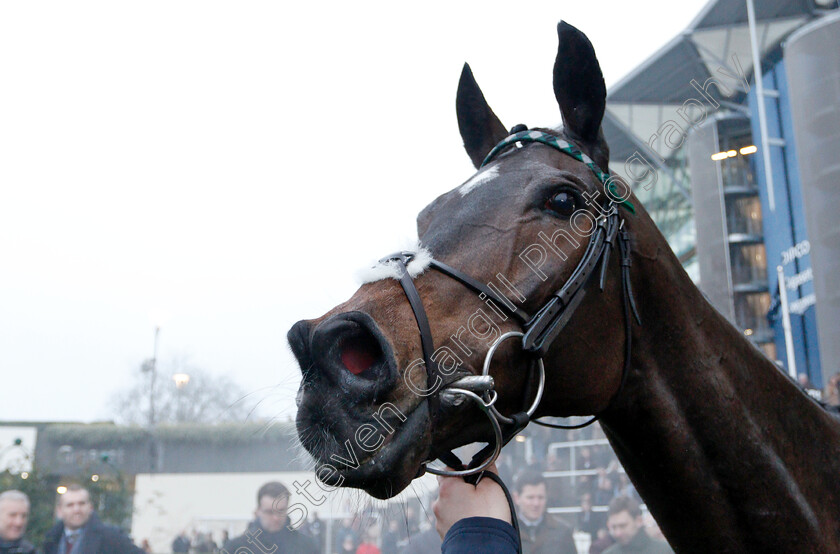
(403, 256)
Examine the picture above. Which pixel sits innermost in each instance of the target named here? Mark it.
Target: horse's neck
(728, 454)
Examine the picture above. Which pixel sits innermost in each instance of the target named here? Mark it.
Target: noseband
(539, 330)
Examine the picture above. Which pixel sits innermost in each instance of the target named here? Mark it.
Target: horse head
(375, 402)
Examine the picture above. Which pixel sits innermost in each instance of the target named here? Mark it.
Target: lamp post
(150, 367)
(181, 380)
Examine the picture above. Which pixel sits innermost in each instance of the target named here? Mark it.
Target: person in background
(625, 488)
(268, 532)
(346, 530)
(79, 530)
(601, 541)
(541, 533)
(368, 545)
(205, 543)
(603, 488)
(181, 544)
(315, 529)
(831, 394)
(14, 515)
(624, 522)
(347, 545)
(588, 520)
(391, 537)
(422, 542)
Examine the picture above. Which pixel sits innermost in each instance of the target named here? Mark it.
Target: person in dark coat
(269, 532)
(391, 537)
(79, 530)
(590, 521)
(541, 533)
(624, 522)
(181, 544)
(14, 515)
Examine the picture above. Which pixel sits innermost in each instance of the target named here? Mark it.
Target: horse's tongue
(356, 361)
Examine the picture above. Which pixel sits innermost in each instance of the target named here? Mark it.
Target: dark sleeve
(297, 542)
(50, 545)
(312, 545)
(480, 535)
(120, 543)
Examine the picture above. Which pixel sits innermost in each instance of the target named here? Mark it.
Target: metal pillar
(762, 117)
(791, 355)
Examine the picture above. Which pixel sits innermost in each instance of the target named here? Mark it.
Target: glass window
(743, 215)
(749, 264)
(750, 310)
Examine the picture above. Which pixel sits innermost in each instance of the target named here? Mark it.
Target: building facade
(730, 135)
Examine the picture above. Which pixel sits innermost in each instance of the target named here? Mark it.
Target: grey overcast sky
(223, 168)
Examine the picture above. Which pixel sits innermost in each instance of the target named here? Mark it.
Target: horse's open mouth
(381, 457)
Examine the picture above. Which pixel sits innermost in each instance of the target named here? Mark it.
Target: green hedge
(111, 497)
(97, 434)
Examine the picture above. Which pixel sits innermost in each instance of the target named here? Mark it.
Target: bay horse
(727, 453)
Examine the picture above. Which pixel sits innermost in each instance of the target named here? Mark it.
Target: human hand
(457, 500)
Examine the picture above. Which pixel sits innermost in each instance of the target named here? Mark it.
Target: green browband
(566, 148)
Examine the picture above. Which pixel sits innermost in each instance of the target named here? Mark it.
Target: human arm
(474, 518)
(480, 535)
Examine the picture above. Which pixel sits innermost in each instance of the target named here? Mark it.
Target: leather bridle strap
(628, 308)
(558, 310)
(484, 291)
(542, 329)
(435, 380)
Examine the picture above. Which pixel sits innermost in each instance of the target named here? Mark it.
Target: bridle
(539, 330)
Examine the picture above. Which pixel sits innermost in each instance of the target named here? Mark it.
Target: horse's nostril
(359, 354)
(356, 361)
(349, 350)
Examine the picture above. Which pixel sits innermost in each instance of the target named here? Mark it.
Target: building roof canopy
(717, 33)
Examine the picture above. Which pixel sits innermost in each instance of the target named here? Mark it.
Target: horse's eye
(563, 203)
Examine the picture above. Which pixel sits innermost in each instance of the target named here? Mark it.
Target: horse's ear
(479, 126)
(579, 85)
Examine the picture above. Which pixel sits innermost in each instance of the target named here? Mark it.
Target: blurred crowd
(395, 529)
(573, 472)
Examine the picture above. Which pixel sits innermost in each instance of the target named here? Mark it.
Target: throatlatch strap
(628, 307)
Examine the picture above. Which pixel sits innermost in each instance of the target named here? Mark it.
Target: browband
(567, 148)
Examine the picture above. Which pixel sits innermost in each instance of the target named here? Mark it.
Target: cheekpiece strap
(433, 375)
(565, 147)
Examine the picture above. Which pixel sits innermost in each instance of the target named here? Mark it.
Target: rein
(539, 330)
